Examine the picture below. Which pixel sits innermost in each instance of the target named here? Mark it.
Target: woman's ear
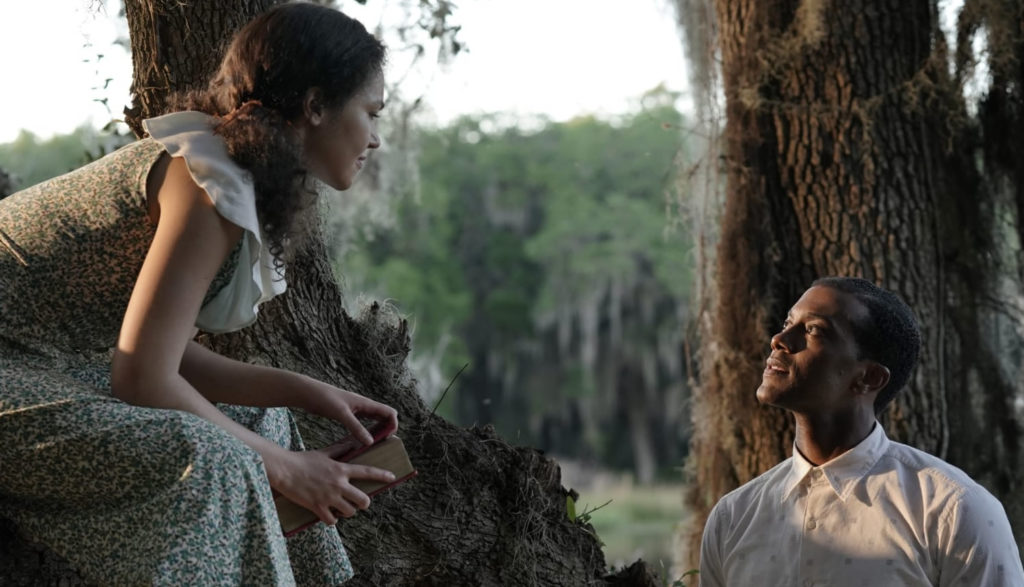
(313, 106)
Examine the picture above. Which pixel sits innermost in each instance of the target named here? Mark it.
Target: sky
(554, 58)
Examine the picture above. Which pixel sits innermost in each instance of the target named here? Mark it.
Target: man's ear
(875, 377)
(313, 106)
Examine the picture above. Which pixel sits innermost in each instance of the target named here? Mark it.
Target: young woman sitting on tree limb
(125, 446)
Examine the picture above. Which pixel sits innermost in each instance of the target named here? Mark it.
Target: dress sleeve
(257, 276)
(978, 545)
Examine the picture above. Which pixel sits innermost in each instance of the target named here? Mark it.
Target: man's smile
(774, 366)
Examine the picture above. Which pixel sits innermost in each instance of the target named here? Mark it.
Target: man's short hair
(891, 337)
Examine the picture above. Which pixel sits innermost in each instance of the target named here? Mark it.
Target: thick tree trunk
(831, 171)
(481, 512)
(177, 46)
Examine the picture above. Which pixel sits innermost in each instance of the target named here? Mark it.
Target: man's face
(813, 367)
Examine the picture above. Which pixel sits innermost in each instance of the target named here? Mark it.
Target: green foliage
(636, 521)
(512, 238)
(682, 580)
(31, 160)
(588, 513)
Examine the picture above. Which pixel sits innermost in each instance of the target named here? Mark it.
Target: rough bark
(177, 46)
(481, 512)
(830, 171)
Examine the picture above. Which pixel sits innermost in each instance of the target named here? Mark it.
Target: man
(850, 507)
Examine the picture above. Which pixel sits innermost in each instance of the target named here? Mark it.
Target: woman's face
(338, 139)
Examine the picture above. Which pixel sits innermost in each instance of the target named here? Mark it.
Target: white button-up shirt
(880, 514)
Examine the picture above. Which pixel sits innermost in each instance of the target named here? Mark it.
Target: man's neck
(821, 438)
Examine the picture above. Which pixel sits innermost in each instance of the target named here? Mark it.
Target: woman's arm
(223, 380)
(191, 242)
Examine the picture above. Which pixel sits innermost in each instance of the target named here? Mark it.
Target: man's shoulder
(941, 478)
(767, 485)
(924, 464)
(971, 531)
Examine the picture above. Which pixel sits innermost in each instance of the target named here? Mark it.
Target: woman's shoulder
(190, 135)
(256, 277)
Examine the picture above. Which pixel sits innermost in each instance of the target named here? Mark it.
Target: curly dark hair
(889, 336)
(259, 90)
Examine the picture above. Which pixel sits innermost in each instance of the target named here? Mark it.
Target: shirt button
(811, 525)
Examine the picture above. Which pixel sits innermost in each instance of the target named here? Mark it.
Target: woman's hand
(347, 407)
(320, 484)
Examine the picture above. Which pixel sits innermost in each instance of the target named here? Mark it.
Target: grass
(637, 522)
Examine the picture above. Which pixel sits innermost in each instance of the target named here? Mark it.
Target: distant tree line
(544, 260)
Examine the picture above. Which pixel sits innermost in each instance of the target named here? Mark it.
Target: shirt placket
(813, 493)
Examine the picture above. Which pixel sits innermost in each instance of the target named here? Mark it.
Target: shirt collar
(843, 472)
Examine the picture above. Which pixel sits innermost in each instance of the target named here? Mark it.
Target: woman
(112, 451)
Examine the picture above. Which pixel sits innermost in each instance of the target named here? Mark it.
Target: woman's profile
(125, 446)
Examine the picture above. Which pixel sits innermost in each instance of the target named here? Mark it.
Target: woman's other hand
(347, 407)
(320, 484)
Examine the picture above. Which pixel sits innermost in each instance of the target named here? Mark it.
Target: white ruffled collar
(256, 278)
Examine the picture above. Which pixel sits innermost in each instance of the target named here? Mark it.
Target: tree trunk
(6, 184)
(984, 211)
(633, 392)
(481, 512)
(832, 114)
(177, 46)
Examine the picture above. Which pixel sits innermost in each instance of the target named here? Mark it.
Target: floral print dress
(129, 495)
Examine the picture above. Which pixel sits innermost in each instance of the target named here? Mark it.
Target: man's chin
(768, 394)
